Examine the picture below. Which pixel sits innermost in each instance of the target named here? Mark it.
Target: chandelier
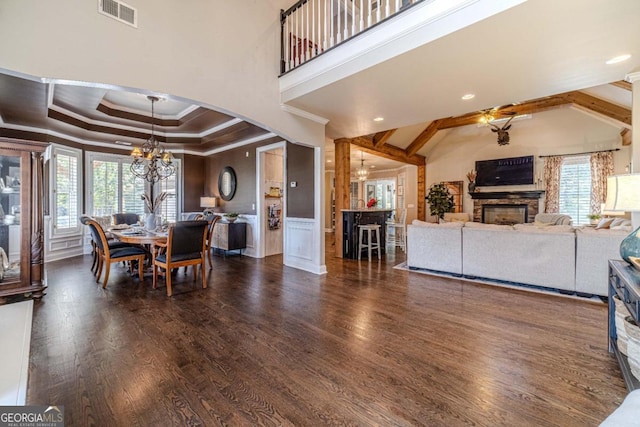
(151, 162)
(362, 173)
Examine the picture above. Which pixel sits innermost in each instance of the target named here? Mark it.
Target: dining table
(140, 236)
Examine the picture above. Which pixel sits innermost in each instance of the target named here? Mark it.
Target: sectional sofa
(561, 257)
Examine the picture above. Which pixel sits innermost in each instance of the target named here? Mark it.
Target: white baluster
(353, 18)
(397, 6)
(295, 39)
(306, 37)
(346, 25)
(361, 17)
(339, 32)
(369, 15)
(326, 26)
(387, 9)
(332, 32)
(378, 11)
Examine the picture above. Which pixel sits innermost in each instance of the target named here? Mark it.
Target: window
(65, 200)
(575, 188)
(113, 188)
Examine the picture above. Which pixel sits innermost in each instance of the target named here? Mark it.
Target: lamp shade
(623, 193)
(207, 202)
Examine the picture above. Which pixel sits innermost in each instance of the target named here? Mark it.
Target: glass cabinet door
(10, 218)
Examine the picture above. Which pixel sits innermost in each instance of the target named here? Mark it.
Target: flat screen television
(509, 171)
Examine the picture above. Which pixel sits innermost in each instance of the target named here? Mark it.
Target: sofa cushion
(604, 223)
(456, 217)
(488, 226)
(419, 223)
(552, 218)
(544, 229)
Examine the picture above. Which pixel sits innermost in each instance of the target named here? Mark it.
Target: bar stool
(371, 245)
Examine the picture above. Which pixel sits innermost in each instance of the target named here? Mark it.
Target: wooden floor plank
(365, 344)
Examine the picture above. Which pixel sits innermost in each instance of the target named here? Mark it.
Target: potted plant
(440, 200)
(594, 218)
(231, 216)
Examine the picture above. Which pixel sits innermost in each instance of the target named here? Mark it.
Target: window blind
(575, 188)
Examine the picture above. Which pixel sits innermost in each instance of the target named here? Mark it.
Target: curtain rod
(579, 154)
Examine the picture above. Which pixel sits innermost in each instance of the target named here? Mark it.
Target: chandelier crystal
(151, 162)
(362, 173)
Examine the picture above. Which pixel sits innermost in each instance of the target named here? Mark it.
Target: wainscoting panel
(252, 223)
(56, 248)
(301, 245)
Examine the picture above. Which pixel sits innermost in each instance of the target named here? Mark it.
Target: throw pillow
(618, 222)
(604, 223)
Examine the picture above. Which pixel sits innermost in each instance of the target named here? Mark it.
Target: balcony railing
(312, 27)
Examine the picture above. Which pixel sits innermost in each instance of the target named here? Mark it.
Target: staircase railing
(311, 27)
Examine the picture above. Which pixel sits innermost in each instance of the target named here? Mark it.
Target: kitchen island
(351, 218)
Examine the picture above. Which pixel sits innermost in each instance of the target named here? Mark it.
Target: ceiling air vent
(119, 11)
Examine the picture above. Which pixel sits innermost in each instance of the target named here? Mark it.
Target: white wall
(220, 53)
(558, 131)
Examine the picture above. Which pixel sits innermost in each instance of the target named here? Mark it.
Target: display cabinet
(624, 281)
(21, 219)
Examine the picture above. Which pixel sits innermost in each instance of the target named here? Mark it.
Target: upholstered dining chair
(113, 244)
(107, 255)
(186, 245)
(125, 218)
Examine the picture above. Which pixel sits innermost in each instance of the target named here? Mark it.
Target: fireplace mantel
(531, 194)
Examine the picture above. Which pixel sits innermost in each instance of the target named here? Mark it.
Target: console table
(624, 281)
(230, 236)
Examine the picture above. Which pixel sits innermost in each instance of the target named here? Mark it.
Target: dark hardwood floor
(364, 345)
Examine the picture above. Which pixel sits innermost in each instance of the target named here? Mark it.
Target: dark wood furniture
(351, 219)
(22, 163)
(230, 236)
(624, 281)
(186, 245)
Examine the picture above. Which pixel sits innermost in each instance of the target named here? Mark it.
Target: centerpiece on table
(153, 205)
(231, 216)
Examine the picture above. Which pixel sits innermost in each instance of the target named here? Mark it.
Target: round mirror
(227, 183)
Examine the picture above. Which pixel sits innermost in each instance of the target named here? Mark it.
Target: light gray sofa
(594, 248)
(529, 255)
(435, 247)
(560, 256)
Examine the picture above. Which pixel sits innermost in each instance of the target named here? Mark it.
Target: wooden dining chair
(186, 245)
(113, 244)
(107, 255)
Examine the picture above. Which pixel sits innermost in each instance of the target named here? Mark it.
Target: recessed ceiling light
(329, 160)
(372, 166)
(617, 59)
(378, 119)
(468, 96)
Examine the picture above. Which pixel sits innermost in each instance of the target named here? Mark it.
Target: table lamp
(623, 194)
(208, 203)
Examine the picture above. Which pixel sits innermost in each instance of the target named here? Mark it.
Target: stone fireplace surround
(530, 198)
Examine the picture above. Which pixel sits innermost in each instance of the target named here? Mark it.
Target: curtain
(601, 168)
(552, 166)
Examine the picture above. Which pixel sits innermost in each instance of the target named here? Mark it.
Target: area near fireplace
(530, 199)
(505, 214)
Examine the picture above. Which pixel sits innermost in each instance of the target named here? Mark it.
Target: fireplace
(530, 198)
(505, 214)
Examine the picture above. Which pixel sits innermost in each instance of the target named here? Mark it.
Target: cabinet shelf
(624, 281)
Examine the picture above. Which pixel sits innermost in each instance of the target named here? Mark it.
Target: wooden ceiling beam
(623, 84)
(600, 106)
(381, 138)
(423, 138)
(365, 143)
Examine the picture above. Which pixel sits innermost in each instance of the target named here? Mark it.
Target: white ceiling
(536, 49)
